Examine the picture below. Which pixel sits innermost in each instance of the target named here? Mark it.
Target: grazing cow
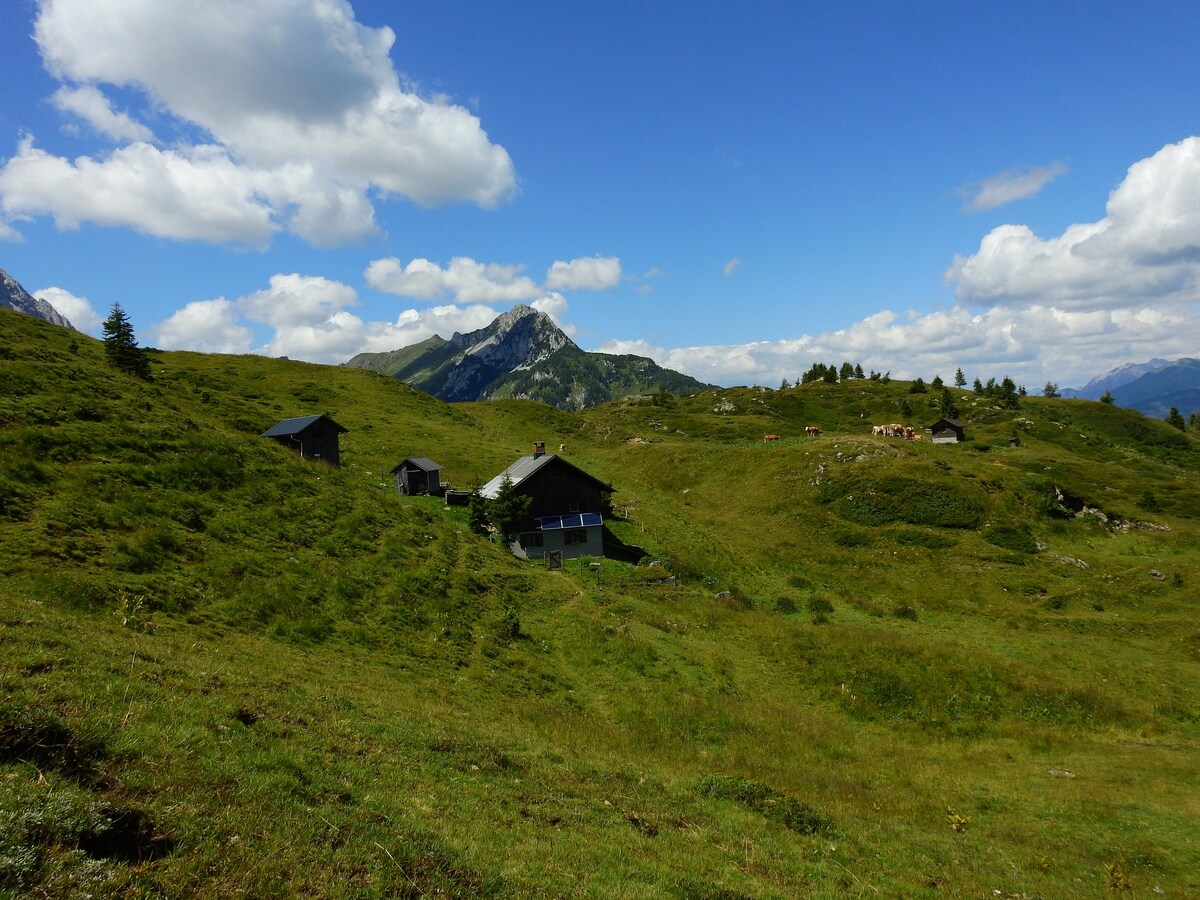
(812, 430)
(769, 438)
(877, 430)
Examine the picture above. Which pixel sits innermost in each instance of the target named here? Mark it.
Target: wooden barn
(313, 437)
(418, 475)
(565, 508)
(947, 431)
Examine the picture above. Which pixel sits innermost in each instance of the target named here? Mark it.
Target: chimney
(539, 449)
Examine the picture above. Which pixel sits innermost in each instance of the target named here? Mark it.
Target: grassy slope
(225, 670)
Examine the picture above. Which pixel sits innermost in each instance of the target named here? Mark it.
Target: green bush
(768, 802)
(1011, 537)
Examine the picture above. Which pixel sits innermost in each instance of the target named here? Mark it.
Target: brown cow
(768, 438)
(812, 430)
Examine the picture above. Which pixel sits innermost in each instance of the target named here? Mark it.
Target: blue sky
(736, 189)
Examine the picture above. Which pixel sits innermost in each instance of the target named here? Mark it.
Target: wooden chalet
(947, 431)
(418, 475)
(313, 437)
(565, 509)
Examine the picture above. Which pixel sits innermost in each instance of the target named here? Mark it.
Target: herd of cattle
(898, 431)
(890, 430)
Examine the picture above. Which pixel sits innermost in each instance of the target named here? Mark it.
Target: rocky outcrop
(13, 296)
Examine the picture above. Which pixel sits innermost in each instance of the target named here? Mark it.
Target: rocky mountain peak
(13, 296)
(523, 354)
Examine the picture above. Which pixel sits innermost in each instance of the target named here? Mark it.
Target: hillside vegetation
(885, 668)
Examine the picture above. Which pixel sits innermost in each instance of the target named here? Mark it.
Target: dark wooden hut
(418, 475)
(313, 437)
(565, 510)
(947, 431)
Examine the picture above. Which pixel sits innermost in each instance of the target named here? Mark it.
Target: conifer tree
(121, 347)
(949, 406)
(1175, 419)
(508, 509)
(960, 380)
(1106, 397)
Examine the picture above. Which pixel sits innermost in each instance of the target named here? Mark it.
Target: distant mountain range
(523, 355)
(13, 296)
(1152, 387)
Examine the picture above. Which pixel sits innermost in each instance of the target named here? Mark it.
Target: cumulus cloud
(207, 326)
(89, 104)
(1145, 249)
(1015, 184)
(591, 273)
(1032, 345)
(305, 122)
(198, 193)
(308, 317)
(731, 266)
(464, 279)
(78, 310)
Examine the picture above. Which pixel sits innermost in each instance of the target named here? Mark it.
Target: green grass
(224, 670)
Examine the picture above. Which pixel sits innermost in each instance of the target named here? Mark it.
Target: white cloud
(1015, 184)
(298, 300)
(78, 310)
(198, 193)
(464, 279)
(729, 267)
(1032, 345)
(1145, 250)
(589, 273)
(305, 120)
(93, 107)
(207, 326)
(307, 318)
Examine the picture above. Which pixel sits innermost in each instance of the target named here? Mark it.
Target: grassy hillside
(887, 668)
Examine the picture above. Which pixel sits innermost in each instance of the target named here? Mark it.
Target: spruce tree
(508, 510)
(960, 380)
(120, 345)
(1175, 419)
(1106, 397)
(949, 405)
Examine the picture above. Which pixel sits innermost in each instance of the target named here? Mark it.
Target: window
(572, 506)
(531, 539)
(574, 536)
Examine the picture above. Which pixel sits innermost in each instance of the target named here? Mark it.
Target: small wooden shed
(313, 437)
(947, 431)
(418, 475)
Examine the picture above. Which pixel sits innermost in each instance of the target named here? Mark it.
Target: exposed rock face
(13, 296)
(523, 355)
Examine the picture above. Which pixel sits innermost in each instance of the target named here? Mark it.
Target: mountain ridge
(523, 355)
(14, 296)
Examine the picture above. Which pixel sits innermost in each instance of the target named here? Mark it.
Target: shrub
(1011, 537)
(905, 611)
(509, 626)
(821, 608)
(785, 605)
(766, 801)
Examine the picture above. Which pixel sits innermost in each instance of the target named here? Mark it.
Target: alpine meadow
(848, 665)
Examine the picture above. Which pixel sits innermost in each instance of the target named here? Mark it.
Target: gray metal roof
(527, 466)
(421, 462)
(517, 472)
(289, 427)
